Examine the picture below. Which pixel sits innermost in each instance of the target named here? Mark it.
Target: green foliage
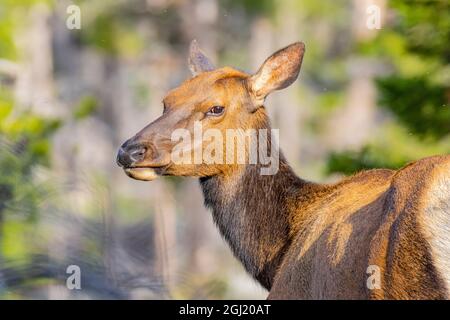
(24, 140)
(7, 47)
(417, 94)
(14, 243)
(419, 105)
(113, 32)
(425, 26)
(12, 16)
(252, 7)
(369, 157)
(85, 108)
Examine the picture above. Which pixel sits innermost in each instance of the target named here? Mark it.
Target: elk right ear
(278, 72)
(198, 62)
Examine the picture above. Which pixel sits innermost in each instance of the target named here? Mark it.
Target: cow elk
(299, 239)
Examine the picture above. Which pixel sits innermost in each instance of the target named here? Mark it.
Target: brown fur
(372, 218)
(303, 240)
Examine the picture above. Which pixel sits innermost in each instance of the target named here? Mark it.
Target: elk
(300, 239)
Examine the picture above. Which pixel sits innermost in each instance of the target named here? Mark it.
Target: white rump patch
(437, 223)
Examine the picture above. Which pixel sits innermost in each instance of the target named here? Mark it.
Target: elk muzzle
(133, 158)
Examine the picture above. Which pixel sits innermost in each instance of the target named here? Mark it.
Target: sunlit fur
(303, 240)
(223, 87)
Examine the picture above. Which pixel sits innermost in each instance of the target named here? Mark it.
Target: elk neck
(256, 213)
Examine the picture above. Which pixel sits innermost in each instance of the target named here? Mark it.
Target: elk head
(218, 100)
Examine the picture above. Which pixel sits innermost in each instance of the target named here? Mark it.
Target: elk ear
(198, 62)
(278, 72)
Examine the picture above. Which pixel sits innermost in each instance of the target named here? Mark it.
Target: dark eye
(215, 111)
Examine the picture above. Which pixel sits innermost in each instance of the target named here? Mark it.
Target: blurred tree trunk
(165, 235)
(35, 83)
(352, 125)
(290, 108)
(199, 19)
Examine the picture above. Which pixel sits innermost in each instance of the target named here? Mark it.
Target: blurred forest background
(68, 98)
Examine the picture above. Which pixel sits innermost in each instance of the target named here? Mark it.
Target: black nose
(129, 154)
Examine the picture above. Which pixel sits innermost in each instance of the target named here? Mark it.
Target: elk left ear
(198, 62)
(278, 72)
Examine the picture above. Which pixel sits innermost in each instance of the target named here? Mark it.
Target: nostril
(130, 154)
(137, 154)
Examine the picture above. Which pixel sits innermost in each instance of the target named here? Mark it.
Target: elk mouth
(144, 173)
(139, 168)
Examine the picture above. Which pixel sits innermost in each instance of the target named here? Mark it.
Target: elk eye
(215, 111)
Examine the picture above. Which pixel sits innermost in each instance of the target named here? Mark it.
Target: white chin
(144, 174)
